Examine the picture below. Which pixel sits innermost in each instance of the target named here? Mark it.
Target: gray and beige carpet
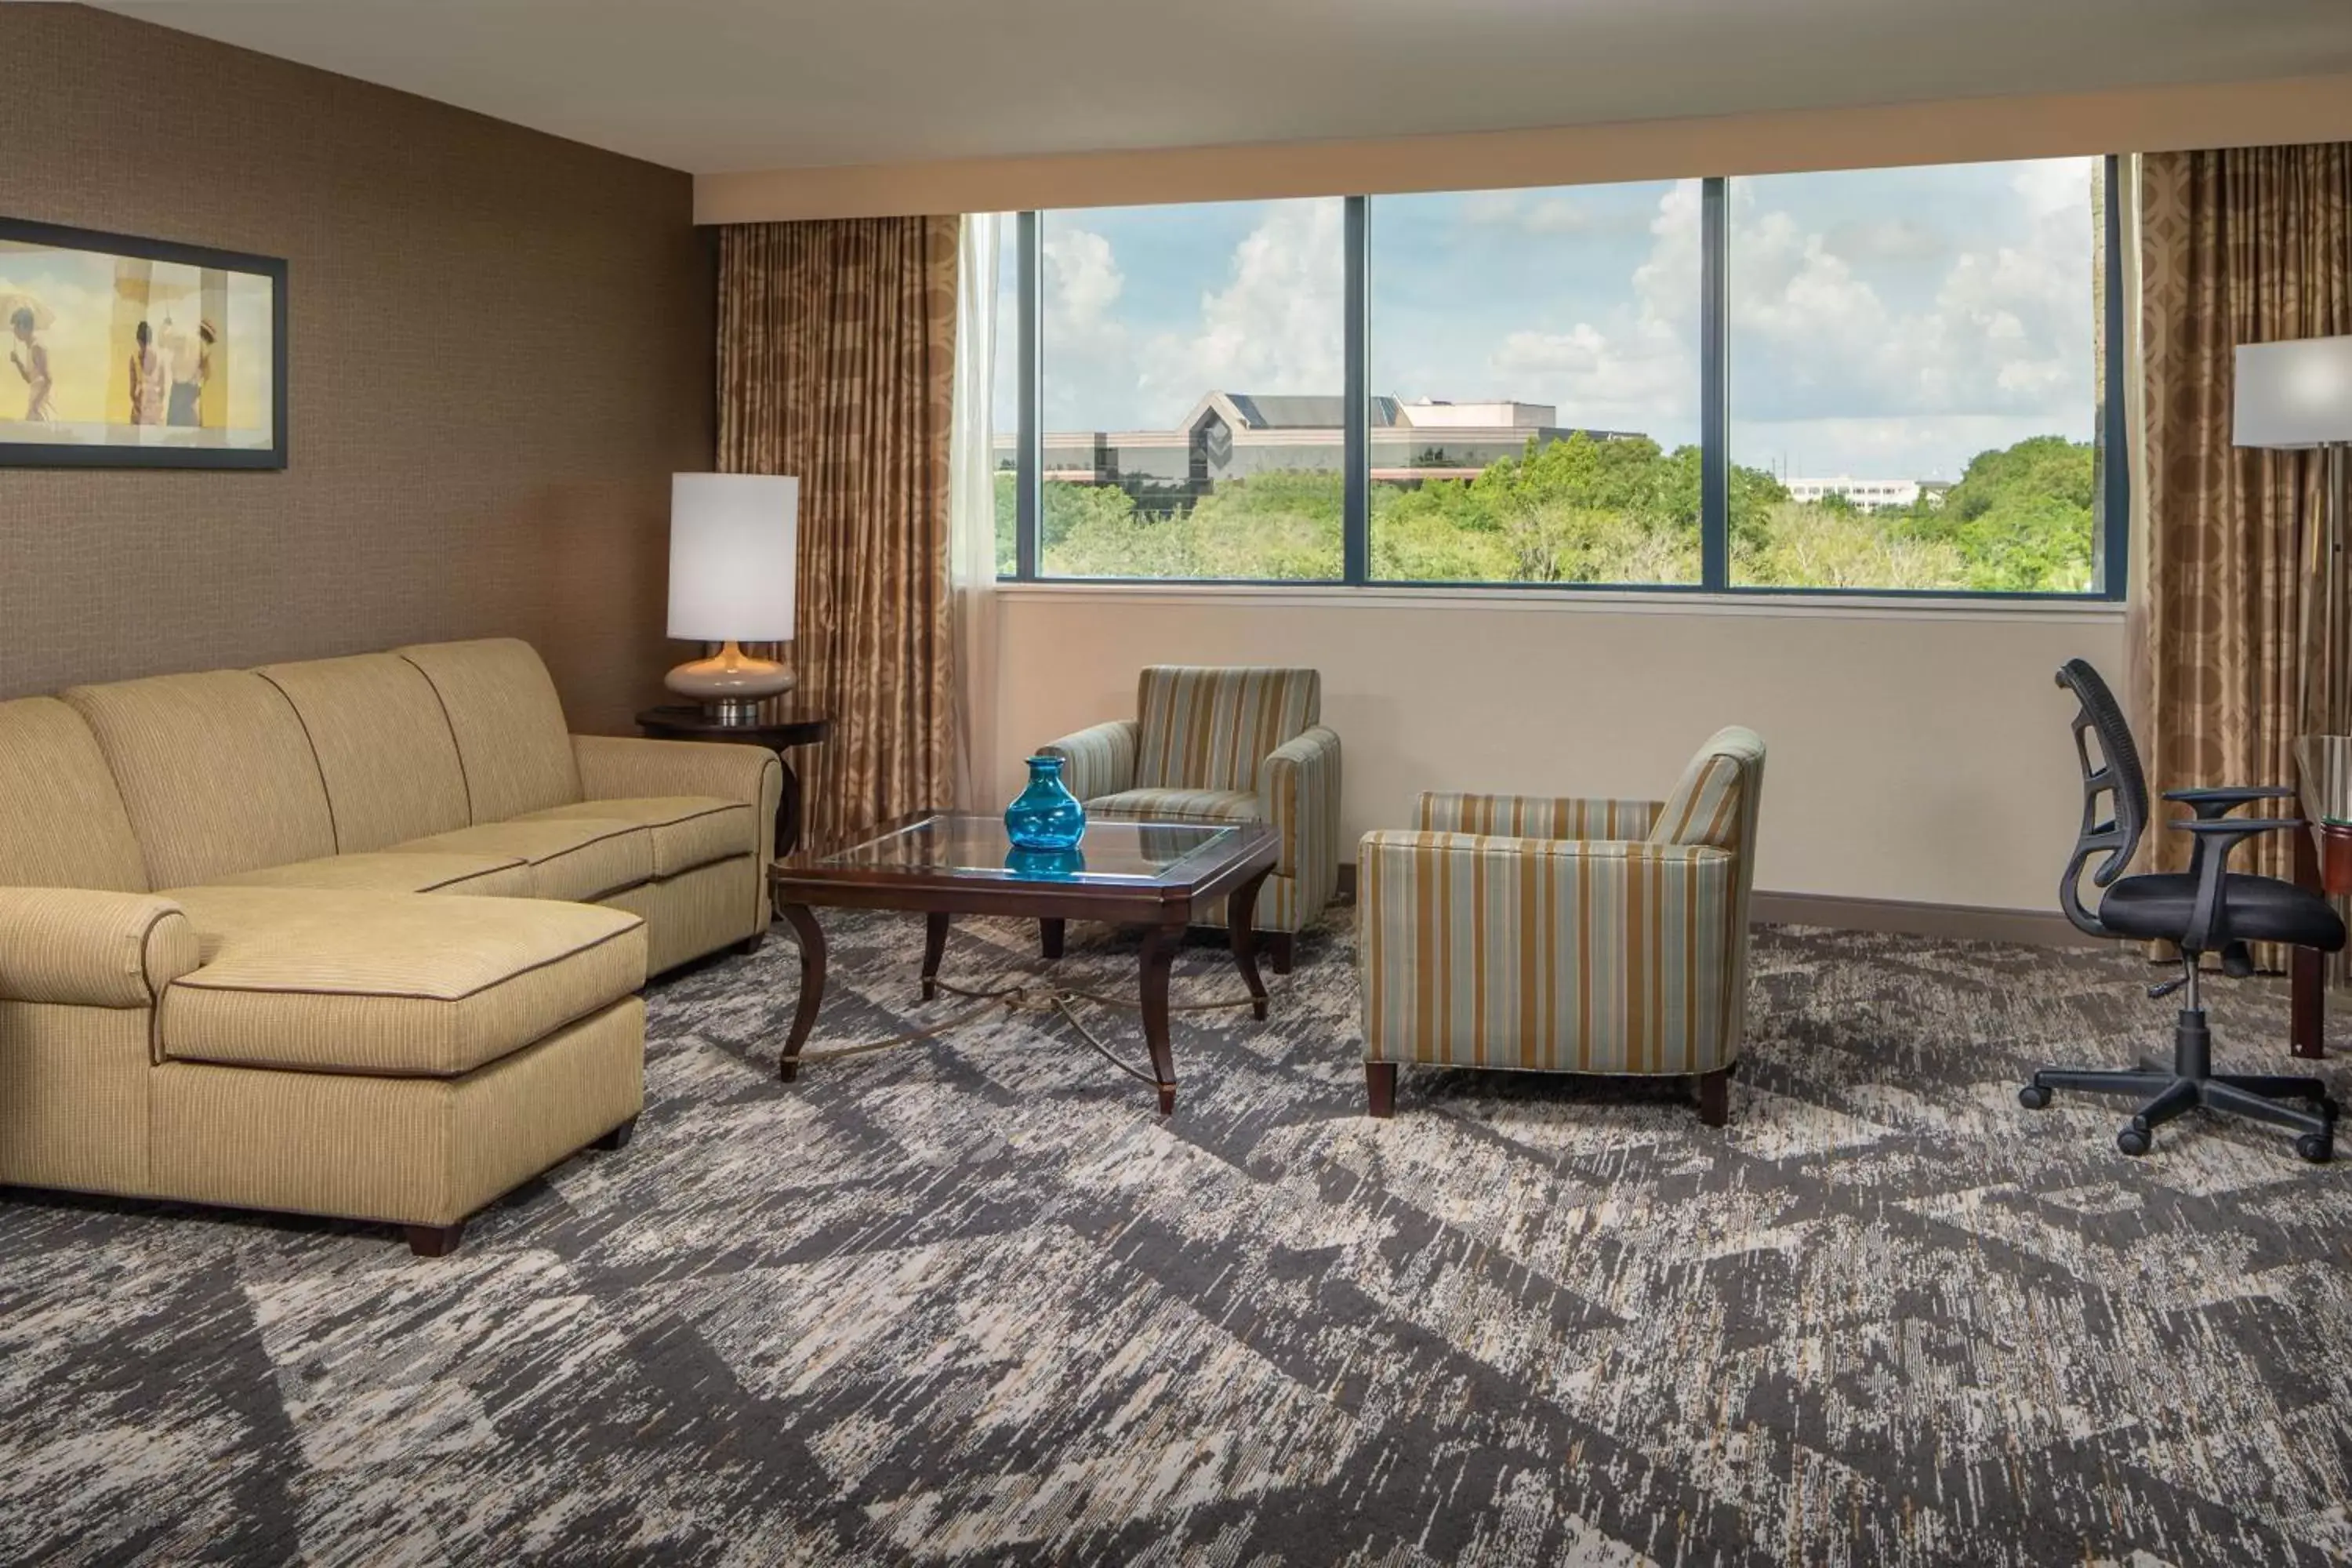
(973, 1302)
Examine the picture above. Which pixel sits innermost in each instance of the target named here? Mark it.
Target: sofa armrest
(84, 947)
(1536, 816)
(1593, 956)
(1299, 786)
(624, 767)
(1100, 761)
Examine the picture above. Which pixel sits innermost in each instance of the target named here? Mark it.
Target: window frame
(2110, 545)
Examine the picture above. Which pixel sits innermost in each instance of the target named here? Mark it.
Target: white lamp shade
(732, 543)
(2294, 394)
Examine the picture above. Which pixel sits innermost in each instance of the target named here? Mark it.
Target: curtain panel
(836, 356)
(2237, 246)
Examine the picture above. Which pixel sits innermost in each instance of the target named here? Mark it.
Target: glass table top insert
(971, 846)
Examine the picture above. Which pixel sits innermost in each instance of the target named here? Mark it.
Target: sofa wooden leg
(1715, 1097)
(1380, 1085)
(752, 944)
(618, 1137)
(1279, 948)
(436, 1240)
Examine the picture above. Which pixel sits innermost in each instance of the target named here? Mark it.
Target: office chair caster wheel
(2133, 1140)
(2316, 1147)
(2033, 1097)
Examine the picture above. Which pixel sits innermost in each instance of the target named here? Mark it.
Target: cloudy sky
(1885, 323)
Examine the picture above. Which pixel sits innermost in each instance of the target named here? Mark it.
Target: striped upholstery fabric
(1536, 816)
(415, 1150)
(216, 771)
(512, 742)
(376, 983)
(1098, 761)
(62, 824)
(1210, 805)
(683, 831)
(583, 858)
(476, 876)
(92, 948)
(1568, 955)
(1212, 727)
(692, 913)
(73, 1097)
(383, 745)
(613, 768)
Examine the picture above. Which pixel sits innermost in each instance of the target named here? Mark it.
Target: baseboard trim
(1962, 922)
(1966, 922)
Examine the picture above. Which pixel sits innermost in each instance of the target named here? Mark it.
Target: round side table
(793, 727)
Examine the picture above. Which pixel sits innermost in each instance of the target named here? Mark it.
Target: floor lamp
(2296, 397)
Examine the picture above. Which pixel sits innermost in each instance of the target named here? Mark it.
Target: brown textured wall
(501, 349)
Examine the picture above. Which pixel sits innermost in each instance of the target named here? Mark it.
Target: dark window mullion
(1714, 388)
(1028, 461)
(2114, 549)
(1356, 447)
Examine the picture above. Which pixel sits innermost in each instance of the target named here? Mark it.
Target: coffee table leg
(1049, 938)
(1159, 952)
(802, 920)
(1241, 911)
(935, 947)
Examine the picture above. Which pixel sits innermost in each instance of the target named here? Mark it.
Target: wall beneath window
(501, 349)
(1915, 755)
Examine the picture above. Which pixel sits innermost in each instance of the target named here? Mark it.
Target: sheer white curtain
(972, 513)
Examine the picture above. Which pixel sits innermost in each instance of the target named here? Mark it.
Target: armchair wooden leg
(435, 1240)
(1380, 1085)
(618, 1137)
(1278, 947)
(1715, 1097)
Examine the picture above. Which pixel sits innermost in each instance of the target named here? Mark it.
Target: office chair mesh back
(2118, 777)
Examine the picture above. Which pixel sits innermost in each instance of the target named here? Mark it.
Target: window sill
(1600, 600)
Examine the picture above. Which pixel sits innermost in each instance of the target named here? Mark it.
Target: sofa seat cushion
(578, 859)
(1213, 805)
(689, 830)
(386, 871)
(390, 984)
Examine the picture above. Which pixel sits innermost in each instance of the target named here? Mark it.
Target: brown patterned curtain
(836, 357)
(2242, 245)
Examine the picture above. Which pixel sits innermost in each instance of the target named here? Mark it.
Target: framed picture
(125, 352)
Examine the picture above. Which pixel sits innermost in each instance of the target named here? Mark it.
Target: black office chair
(2208, 908)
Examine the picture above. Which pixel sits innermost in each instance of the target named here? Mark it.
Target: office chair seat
(2157, 906)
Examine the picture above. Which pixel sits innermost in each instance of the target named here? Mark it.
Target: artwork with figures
(126, 351)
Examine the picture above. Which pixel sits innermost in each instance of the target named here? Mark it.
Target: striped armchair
(1591, 936)
(1225, 743)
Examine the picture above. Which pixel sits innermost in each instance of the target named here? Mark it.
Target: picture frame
(119, 351)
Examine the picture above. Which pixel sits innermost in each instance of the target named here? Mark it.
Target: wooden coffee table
(1160, 876)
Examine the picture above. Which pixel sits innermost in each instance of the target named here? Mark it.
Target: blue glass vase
(1045, 816)
(1045, 865)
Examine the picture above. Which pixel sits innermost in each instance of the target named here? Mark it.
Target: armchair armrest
(1098, 761)
(1536, 816)
(2208, 918)
(85, 948)
(622, 767)
(1552, 954)
(1299, 786)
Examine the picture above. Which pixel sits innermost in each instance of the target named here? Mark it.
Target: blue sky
(1885, 323)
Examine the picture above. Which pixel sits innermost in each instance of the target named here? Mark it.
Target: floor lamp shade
(2292, 395)
(733, 540)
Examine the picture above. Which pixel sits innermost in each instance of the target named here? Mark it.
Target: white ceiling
(719, 85)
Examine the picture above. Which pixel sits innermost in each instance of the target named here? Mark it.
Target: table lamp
(732, 539)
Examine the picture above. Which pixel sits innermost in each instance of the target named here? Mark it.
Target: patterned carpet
(973, 1302)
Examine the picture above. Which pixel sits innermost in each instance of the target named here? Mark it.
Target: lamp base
(731, 684)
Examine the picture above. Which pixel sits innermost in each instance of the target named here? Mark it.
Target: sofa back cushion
(1211, 727)
(214, 770)
(62, 824)
(512, 741)
(383, 746)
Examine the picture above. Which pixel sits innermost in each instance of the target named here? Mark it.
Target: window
(1915, 359)
(1535, 385)
(1190, 362)
(1886, 381)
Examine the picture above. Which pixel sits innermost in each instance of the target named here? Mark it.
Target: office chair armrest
(2211, 804)
(2216, 836)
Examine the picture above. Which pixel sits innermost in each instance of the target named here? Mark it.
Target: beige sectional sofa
(357, 937)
